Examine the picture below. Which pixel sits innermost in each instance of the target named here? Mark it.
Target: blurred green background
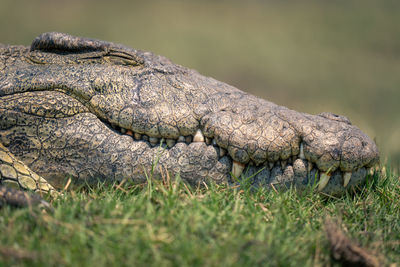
(311, 56)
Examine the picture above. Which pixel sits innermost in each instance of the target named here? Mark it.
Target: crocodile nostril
(364, 144)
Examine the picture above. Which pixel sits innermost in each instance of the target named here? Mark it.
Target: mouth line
(238, 168)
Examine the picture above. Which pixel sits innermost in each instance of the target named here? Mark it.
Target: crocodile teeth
(270, 165)
(370, 171)
(181, 139)
(237, 169)
(346, 178)
(137, 136)
(323, 180)
(222, 152)
(153, 141)
(188, 139)
(213, 142)
(283, 164)
(129, 132)
(301, 155)
(170, 142)
(198, 137)
(309, 166)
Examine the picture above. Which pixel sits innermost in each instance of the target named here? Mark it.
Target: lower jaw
(197, 163)
(298, 173)
(301, 179)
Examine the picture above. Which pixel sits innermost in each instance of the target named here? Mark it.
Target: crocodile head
(90, 109)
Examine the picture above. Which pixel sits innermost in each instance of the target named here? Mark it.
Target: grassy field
(171, 224)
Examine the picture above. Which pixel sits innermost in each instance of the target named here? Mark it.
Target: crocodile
(94, 110)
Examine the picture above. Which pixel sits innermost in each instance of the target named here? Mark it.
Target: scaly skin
(89, 109)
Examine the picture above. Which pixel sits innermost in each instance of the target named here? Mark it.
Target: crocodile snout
(93, 109)
(275, 137)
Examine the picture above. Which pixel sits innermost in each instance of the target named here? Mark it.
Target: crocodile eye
(116, 60)
(123, 58)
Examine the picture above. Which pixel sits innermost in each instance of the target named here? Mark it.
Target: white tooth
(346, 178)
(153, 141)
(383, 171)
(370, 171)
(170, 142)
(213, 142)
(283, 164)
(123, 130)
(309, 166)
(181, 139)
(323, 180)
(237, 169)
(222, 152)
(188, 139)
(137, 136)
(129, 132)
(271, 165)
(198, 137)
(208, 141)
(301, 155)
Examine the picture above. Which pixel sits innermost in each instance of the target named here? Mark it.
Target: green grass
(172, 224)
